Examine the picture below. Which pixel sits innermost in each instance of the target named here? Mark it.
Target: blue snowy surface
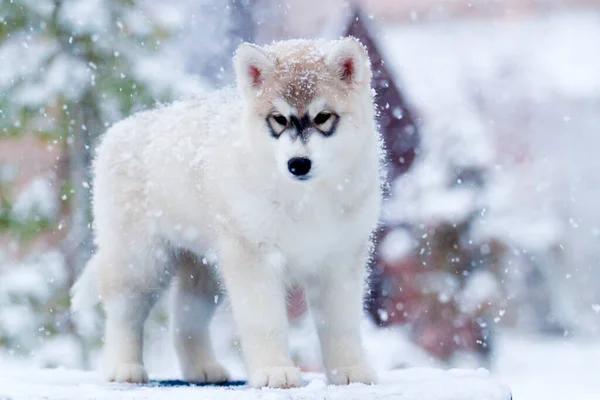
(179, 382)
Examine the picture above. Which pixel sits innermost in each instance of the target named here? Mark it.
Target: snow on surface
(31, 53)
(552, 55)
(32, 277)
(65, 75)
(37, 199)
(32, 281)
(543, 368)
(397, 244)
(534, 367)
(410, 384)
(519, 97)
(86, 16)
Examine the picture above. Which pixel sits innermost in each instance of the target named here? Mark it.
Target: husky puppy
(280, 179)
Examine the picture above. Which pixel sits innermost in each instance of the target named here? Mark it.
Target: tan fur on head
(301, 70)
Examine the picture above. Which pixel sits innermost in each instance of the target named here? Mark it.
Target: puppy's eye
(322, 117)
(326, 122)
(280, 119)
(278, 123)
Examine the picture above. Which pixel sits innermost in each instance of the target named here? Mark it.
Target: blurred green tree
(68, 70)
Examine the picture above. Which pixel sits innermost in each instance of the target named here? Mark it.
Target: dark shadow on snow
(178, 382)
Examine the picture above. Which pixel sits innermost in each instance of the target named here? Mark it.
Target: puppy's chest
(307, 226)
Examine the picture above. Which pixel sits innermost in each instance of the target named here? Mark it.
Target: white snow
(43, 8)
(397, 244)
(31, 53)
(37, 199)
(410, 384)
(534, 367)
(65, 75)
(518, 97)
(152, 70)
(554, 54)
(481, 287)
(26, 291)
(548, 368)
(37, 276)
(89, 16)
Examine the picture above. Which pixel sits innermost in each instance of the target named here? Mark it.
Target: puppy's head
(309, 106)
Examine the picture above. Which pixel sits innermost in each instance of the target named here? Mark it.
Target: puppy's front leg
(337, 306)
(256, 290)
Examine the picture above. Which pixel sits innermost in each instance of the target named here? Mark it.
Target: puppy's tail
(84, 293)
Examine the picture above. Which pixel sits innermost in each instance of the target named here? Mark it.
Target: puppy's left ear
(253, 65)
(350, 62)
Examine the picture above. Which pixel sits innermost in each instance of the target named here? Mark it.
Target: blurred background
(490, 250)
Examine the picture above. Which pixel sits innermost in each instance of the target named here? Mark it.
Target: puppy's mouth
(300, 167)
(302, 178)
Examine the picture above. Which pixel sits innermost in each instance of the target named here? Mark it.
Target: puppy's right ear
(252, 66)
(349, 60)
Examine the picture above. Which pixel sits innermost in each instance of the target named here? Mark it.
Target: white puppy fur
(213, 175)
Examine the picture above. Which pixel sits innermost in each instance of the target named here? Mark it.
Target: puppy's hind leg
(125, 317)
(193, 305)
(129, 290)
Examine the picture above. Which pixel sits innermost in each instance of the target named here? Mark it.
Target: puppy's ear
(349, 60)
(252, 66)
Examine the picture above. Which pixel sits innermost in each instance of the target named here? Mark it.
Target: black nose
(299, 166)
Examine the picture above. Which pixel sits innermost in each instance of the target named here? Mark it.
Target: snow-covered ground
(533, 367)
(538, 367)
(412, 384)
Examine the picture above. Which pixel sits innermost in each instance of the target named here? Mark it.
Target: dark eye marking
(326, 122)
(280, 119)
(300, 124)
(322, 117)
(277, 123)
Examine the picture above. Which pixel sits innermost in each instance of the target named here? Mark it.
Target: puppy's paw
(276, 377)
(360, 373)
(132, 373)
(210, 373)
